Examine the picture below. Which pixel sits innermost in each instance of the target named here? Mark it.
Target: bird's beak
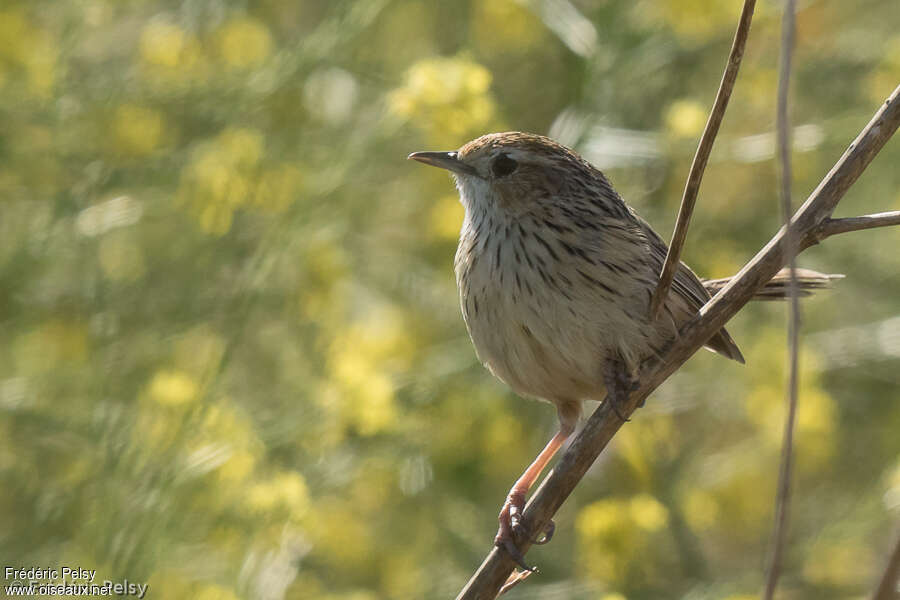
(444, 160)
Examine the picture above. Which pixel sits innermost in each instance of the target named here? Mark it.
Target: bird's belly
(545, 321)
(535, 342)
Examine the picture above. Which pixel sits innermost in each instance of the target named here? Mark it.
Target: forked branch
(806, 229)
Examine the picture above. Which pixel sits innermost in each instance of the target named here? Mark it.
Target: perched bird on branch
(555, 276)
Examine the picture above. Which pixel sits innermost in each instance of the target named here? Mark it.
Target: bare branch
(785, 470)
(692, 187)
(889, 586)
(603, 424)
(835, 226)
(829, 227)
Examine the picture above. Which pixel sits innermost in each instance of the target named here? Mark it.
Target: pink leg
(511, 513)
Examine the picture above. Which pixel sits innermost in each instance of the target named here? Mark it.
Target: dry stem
(692, 186)
(785, 470)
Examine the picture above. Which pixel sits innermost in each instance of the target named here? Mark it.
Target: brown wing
(688, 287)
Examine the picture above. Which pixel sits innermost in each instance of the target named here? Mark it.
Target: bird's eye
(503, 165)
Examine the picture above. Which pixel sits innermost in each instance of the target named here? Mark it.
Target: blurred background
(232, 360)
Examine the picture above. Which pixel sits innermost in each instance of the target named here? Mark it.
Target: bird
(555, 274)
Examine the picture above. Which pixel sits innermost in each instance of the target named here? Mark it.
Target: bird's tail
(777, 288)
(808, 281)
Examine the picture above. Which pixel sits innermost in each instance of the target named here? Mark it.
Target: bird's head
(511, 171)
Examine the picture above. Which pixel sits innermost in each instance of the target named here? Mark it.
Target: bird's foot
(619, 385)
(513, 529)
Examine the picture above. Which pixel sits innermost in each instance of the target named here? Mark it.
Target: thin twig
(889, 585)
(692, 186)
(847, 224)
(603, 423)
(785, 470)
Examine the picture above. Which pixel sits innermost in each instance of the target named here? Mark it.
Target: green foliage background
(232, 362)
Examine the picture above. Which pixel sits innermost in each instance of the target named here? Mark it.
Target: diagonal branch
(603, 424)
(890, 580)
(692, 187)
(785, 470)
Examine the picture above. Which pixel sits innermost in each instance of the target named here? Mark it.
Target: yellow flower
(171, 57)
(173, 388)
(29, 50)
(686, 118)
(286, 491)
(647, 512)
(612, 532)
(214, 592)
(162, 44)
(223, 176)
(244, 43)
(447, 97)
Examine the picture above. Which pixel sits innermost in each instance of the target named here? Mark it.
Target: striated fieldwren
(555, 275)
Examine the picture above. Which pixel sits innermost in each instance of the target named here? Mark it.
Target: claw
(510, 546)
(520, 531)
(516, 525)
(511, 528)
(614, 404)
(619, 384)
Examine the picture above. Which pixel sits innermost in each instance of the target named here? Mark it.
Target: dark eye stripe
(503, 165)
